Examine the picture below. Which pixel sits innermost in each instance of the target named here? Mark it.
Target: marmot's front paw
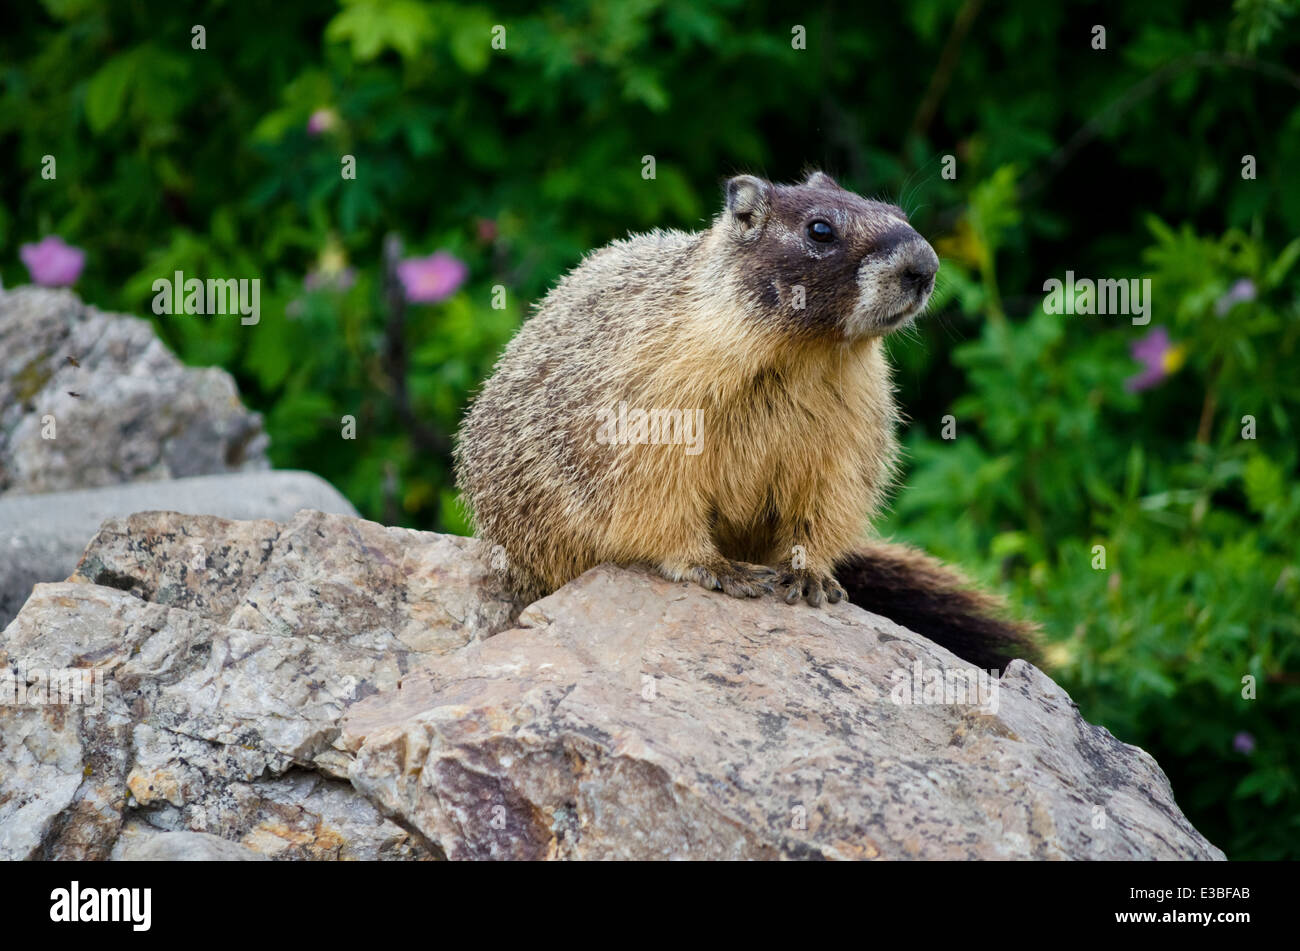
(817, 587)
(739, 579)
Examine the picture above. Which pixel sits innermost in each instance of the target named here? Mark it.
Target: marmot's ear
(820, 180)
(749, 201)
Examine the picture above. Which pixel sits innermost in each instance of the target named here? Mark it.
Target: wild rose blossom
(322, 120)
(331, 271)
(432, 279)
(1159, 357)
(1242, 290)
(339, 280)
(53, 262)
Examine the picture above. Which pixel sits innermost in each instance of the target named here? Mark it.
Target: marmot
(764, 331)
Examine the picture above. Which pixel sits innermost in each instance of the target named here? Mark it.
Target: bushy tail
(936, 601)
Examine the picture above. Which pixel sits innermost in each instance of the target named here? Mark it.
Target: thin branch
(1139, 91)
(426, 438)
(943, 72)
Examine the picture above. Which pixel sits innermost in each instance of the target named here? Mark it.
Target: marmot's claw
(736, 578)
(815, 588)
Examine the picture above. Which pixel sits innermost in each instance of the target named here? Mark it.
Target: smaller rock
(42, 536)
(186, 847)
(89, 398)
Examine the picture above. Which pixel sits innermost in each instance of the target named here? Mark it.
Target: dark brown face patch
(783, 257)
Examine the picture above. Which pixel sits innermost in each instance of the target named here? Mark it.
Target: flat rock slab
(633, 718)
(42, 536)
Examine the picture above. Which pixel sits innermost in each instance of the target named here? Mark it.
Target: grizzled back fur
(798, 412)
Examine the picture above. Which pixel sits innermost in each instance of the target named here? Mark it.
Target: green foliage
(1201, 538)
(1116, 163)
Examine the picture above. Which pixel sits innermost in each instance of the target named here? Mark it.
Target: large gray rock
(42, 536)
(332, 688)
(89, 398)
(633, 718)
(226, 653)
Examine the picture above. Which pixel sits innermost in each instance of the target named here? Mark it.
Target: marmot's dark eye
(821, 231)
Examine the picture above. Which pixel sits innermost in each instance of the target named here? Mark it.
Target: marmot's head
(863, 270)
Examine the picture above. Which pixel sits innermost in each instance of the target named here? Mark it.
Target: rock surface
(183, 847)
(633, 718)
(227, 651)
(126, 410)
(42, 536)
(330, 688)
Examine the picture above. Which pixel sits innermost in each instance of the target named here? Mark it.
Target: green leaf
(1265, 483)
(1008, 543)
(70, 9)
(1282, 264)
(372, 26)
(107, 90)
(471, 42)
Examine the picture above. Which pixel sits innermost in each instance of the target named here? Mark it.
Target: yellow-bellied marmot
(718, 406)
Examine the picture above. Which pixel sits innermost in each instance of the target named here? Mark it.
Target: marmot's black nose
(917, 279)
(918, 267)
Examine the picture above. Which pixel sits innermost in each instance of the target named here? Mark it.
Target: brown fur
(798, 417)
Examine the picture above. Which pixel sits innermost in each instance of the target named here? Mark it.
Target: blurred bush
(1113, 163)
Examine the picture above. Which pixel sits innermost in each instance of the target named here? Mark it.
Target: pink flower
(1243, 290)
(1159, 357)
(330, 280)
(322, 120)
(53, 262)
(429, 280)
